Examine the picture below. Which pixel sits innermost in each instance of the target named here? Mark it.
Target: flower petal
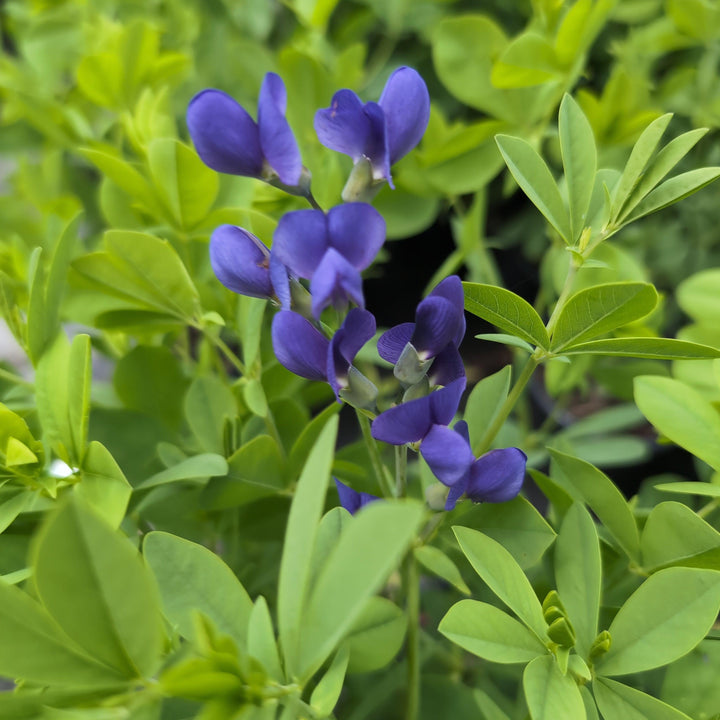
(300, 241)
(357, 232)
(225, 136)
(276, 138)
(356, 330)
(437, 323)
(335, 281)
(461, 427)
(240, 261)
(406, 103)
(497, 476)
(299, 346)
(280, 281)
(447, 453)
(393, 341)
(376, 149)
(352, 500)
(344, 127)
(456, 492)
(444, 402)
(447, 366)
(408, 422)
(451, 289)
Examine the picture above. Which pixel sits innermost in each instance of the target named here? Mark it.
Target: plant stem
(412, 600)
(400, 470)
(220, 344)
(706, 509)
(484, 445)
(273, 430)
(383, 481)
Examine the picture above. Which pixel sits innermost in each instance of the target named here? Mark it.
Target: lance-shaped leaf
(490, 633)
(484, 403)
(261, 643)
(680, 413)
(438, 563)
(578, 572)
(601, 309)
(549, 694)
(641, 347)
(579, 156)
(192, 578)
(639, 158)
(620, 702)
(665, 618)
(506, 310)
(499, 571)
(589, 484)
(535, 179)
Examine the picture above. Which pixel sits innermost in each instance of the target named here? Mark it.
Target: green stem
(15, 379)
(400, 470)
(706, 509)
(564, 295)
(383, 481)
(272, 428)
(487, 439)
(220, 344)
(412, 598)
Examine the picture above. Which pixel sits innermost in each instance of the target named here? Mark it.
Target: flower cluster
(328, 251)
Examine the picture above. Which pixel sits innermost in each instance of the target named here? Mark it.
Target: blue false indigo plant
(357, 602)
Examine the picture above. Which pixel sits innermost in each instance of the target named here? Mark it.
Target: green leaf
(187, 186)
(14, 506)
(675, 535)
(516, 525)
(661, 165)
(439, 564)
(331, 527)
(62, 387)
(698, 296)
(549, 694)
(208, 403)
(645, 347)
(255, 399)
(690, 488)
(191, 578)
(368, 550)
(484, 402)
(682, 414)
(620, 702)
(579, 156)
(528, 60)
(605, 500)
(665, 618)
(578, 574)
(35, 649)
(490, 633)
(327, 692)
(261, 643)
(302, 446)
(250, 319)
(674, 190)
(376, 636)
(91, 580)
(506, 340)
(601, 309)
(104, 485)
(506, 310)
(295, 565)
(498, 569)
(536, 181)
(637, 162)
(193, 468)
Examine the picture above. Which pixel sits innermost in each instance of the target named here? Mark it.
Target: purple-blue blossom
(381, 132)
(352, 500)
(330, 250)
(228, 140)
(496, 476)
(241, 261)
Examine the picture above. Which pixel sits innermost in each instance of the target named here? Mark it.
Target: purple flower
(330, 250)
(301, 348)
(240, 261)
(230, 141)
(411, 421)
(352, 500)
(494, 477)
(437, 332)
(381, 132)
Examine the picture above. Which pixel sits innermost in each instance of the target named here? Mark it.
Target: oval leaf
(549, 694)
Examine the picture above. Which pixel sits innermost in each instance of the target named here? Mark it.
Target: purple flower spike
(299, 346)
(228, 140)
(330, 250)
(352, 500)
(356, 330)
(240, 261)
(412, 421)
(495, 477)
(382, 132)
(439, 322)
